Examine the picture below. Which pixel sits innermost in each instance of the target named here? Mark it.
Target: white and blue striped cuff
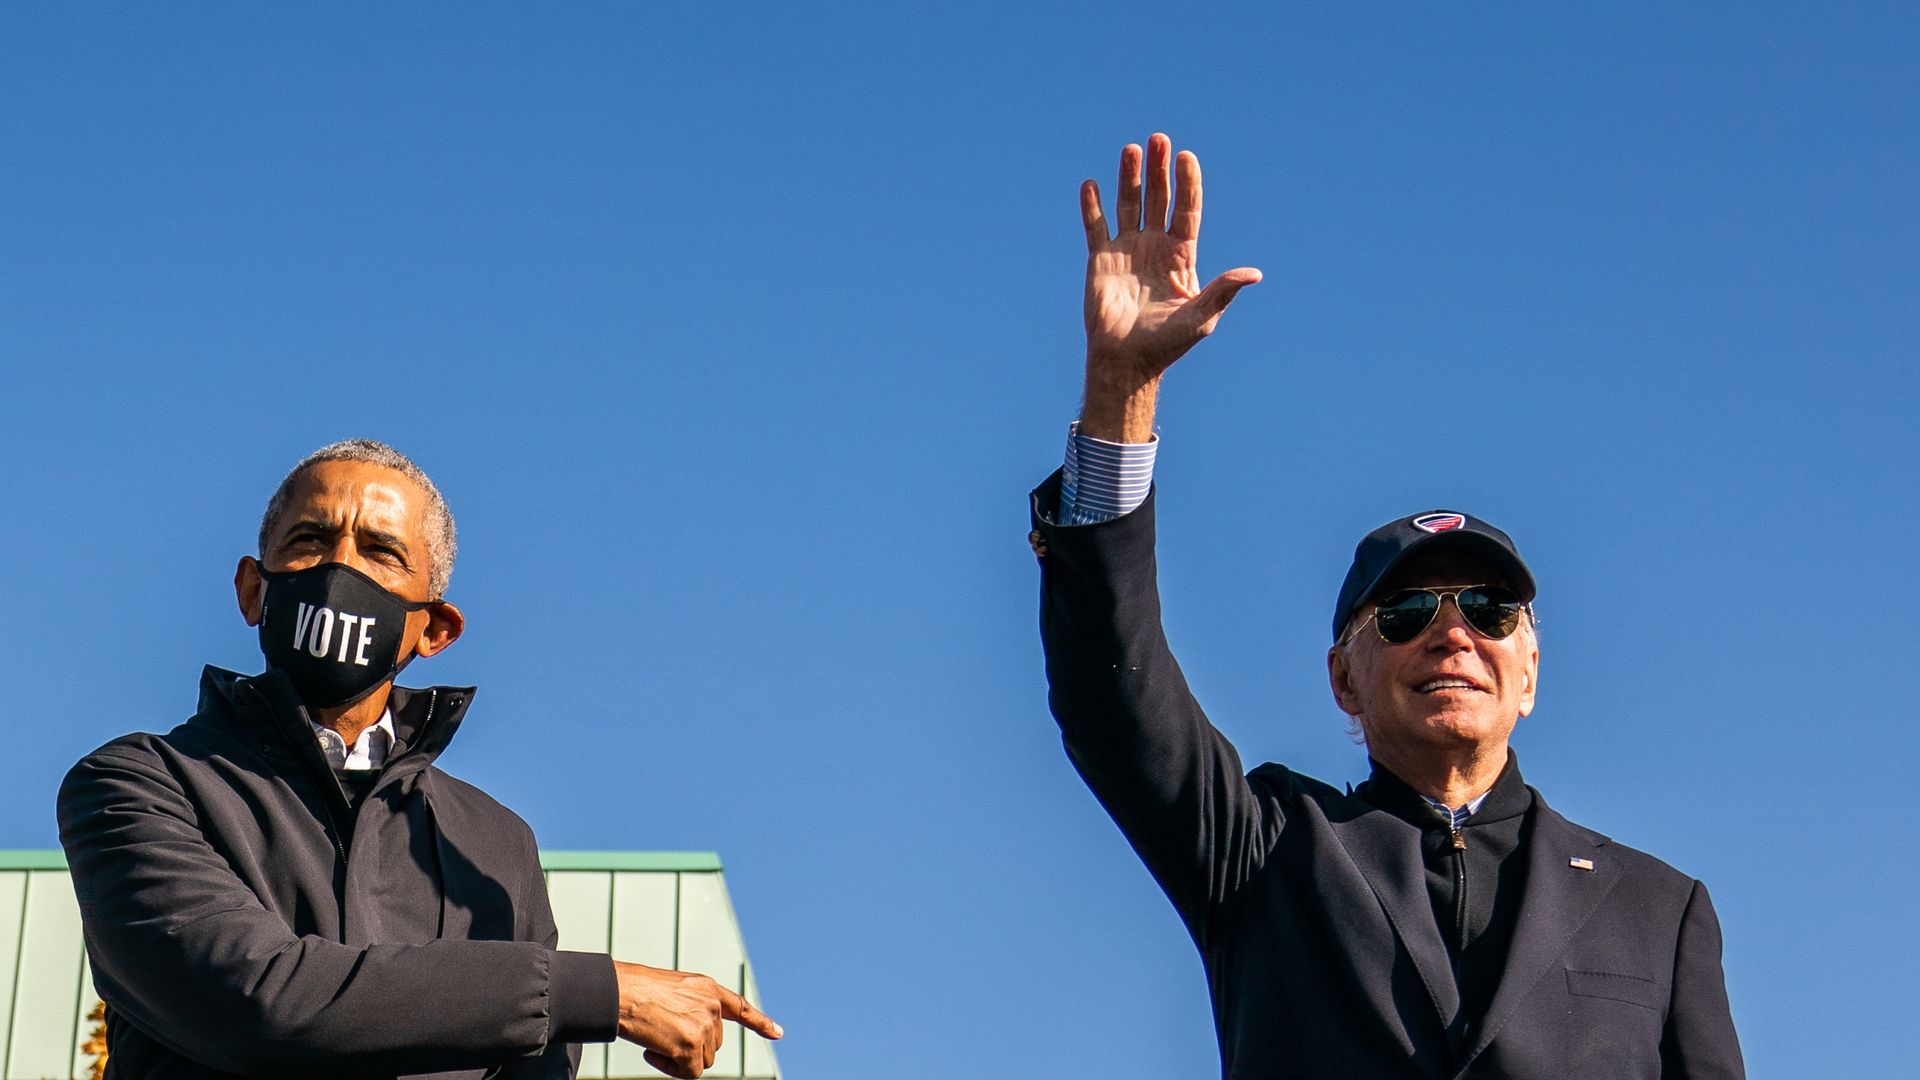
(1104, 480)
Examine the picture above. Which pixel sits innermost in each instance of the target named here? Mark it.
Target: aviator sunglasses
(1405, 614)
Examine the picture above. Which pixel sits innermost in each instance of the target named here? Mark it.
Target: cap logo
(1439, 523)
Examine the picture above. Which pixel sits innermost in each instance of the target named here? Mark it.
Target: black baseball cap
(1386, 547)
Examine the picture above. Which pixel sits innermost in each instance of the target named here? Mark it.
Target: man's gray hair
(441, 540)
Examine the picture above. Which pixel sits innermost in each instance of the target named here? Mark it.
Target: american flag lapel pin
(1581, 864)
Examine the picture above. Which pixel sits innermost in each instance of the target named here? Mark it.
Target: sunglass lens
(1492, 610)
(1402, 615)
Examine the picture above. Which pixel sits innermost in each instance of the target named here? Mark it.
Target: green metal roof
(50, 859)
(663, 908)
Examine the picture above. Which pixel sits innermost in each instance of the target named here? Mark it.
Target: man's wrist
(1120, 401)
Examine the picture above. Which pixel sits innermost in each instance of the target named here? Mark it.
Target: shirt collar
(369, 751)
(1507, 798)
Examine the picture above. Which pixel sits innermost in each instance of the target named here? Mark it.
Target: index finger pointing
(735, 1007)
(1186, 206)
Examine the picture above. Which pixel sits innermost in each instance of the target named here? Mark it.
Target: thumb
(1203, 311)
(666, 1064)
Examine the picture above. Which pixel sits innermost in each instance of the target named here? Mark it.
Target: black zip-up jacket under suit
(1337, 940)
(244, 919)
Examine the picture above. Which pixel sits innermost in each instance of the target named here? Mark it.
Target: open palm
(1144, 304)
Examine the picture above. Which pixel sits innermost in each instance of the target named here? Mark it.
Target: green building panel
(666, 909)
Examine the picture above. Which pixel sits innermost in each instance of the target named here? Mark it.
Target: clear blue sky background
(736, 336)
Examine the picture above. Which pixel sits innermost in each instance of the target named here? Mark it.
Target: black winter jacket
(243, 920)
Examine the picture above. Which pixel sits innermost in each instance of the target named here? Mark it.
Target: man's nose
(344, 550)
(1449, 632)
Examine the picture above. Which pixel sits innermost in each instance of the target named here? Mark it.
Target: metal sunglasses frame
(1441, 595)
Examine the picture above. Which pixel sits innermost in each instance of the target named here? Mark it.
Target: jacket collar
(1383, 840)
(1508, 798)
(1385, 849)
(424, 720)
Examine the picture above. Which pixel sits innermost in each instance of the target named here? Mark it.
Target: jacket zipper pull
(1460, 889)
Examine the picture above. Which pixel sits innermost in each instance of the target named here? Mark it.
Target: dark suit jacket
(1309, 905)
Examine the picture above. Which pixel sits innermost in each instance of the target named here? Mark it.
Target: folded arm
(186, 952)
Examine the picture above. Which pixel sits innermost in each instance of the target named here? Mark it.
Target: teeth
(1446, 684)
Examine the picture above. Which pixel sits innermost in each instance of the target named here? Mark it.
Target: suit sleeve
(186, 952)
(1699, 1042)
(1169, 779)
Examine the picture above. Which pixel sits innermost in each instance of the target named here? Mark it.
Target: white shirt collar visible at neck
(1457, 815)
(369, 751)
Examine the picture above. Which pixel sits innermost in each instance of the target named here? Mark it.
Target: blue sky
(736, 337)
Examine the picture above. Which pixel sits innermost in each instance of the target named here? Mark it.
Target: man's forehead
(336, 489)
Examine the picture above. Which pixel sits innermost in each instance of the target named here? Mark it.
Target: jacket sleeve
(1169, 779)
(1699, 1042)
(185, 951)
(557, 1060)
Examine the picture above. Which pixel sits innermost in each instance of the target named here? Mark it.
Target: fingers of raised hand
(1186, 206)
(1127, 209)
(1159, 182)
(1092, 217)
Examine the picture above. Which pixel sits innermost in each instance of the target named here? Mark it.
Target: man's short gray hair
(441, 540)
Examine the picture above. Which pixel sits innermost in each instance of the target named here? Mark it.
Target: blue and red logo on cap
(1439, 523)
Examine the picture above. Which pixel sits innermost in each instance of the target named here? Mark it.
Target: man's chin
(1456, 726)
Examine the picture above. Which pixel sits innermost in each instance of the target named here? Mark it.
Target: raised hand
(676, 1016)
(1144, 304)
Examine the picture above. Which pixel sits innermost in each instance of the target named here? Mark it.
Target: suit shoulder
(1650, 867)
(1650, 871)
(1285, 783)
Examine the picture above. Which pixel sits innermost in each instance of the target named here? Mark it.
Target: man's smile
(1449, 684)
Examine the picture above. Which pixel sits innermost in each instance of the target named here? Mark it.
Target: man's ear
(1532, 685)
(250, 589)
(444, 625)
(1340, 678)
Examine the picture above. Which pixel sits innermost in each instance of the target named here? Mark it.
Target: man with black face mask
(285, 885)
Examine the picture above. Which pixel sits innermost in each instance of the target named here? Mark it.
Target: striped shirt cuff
(1104, 480)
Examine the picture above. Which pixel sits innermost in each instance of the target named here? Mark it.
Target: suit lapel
(1558, 901)
(1386, 851)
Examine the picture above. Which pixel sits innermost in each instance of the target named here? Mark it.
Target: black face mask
(334, 631)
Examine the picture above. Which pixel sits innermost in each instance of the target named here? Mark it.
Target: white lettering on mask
(319, 637)
(346, 635)
(313, 631)
(366, 638)
(300, 620)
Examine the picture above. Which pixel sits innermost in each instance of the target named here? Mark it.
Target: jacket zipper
(334, 832)
(1460, 888)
